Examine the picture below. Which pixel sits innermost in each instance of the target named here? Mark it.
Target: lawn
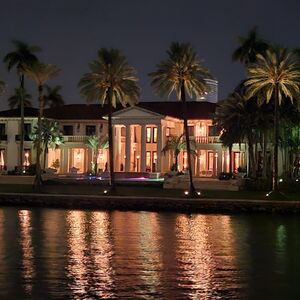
(144, 191)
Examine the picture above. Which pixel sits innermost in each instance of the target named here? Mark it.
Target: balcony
(26, 137)
(75, 138)
(206, 139)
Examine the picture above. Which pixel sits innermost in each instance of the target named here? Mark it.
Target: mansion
(140, 133)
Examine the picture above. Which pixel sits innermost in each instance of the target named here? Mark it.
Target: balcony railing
(206, 139)
(75, 138)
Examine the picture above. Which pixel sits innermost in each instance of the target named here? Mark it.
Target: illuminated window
(123, 131)
(236, 161)
(148, 160)
(210, 161)
(27, 157)
(148, 135)
(168, 131)
(154, 134)
(184, 160)
(2, 159)
(154, 161)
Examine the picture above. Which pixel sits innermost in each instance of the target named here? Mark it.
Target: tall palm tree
(249, 47)
(182, 72)
(53, 98)
(95, 143)
(23, 54)
(40, 73)
(276, 75)
(176, 144)
(111, 80)
(20, 96)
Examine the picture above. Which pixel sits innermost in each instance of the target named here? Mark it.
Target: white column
(159, 147)
(143, 148)
(219, 163)
(64, 160)
(116, 131)
(128, 148)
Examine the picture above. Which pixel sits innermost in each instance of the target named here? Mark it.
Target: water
(66, 254)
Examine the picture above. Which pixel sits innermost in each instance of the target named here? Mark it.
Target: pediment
(136, 113)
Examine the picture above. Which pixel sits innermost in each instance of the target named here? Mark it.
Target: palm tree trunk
(192, 189)
(22, 124)
(176, 163)
(45, 155)
(252, 167)
(38, 175)
(96, 161)
(276, 139)
(110, 141)
(265, 145)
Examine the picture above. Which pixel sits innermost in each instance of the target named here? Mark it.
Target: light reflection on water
(27, 268)
(144, 255)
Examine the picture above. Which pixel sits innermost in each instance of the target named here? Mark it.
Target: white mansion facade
(140, 133)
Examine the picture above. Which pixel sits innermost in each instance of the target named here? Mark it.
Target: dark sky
(71, 31)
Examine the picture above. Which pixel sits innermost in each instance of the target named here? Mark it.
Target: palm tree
(96, 143)
(40, 73)
(177, 144)
(21, 56)
(182, 72)
(53, 98)
(274, 76)
(51, 136)
(236, 119)
(20, 96)
(249, 47)
(111, 80)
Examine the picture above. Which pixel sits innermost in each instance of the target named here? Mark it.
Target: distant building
(212, 94)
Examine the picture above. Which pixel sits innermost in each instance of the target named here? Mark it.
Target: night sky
(71, 31)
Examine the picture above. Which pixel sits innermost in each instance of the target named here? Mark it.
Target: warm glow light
(186, 193)
(280, 180)
(105, 192)
(198, 193)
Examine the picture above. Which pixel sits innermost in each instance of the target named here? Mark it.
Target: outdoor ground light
(105, 192)
(186, 192)
(280, 180)
(198, 193)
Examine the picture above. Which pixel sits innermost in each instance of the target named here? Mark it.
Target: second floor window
(191, 130)
(148, 134)
(27, 128)
(213, 131)
(67, 130)
(90, 130)
(2, 129)
(154, 140)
